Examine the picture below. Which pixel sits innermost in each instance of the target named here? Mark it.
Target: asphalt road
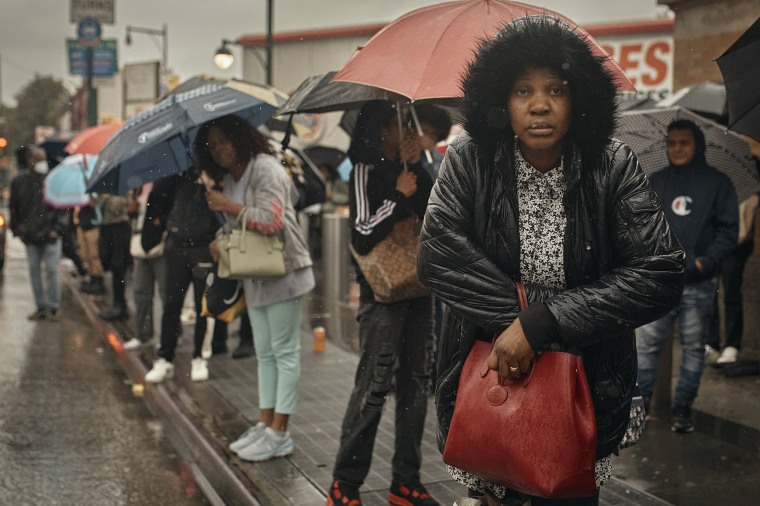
(71, 430)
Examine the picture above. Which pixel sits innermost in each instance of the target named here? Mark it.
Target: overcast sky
(33, 32)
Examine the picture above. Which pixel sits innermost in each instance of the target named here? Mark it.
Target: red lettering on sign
(654, 59)
(628, 60)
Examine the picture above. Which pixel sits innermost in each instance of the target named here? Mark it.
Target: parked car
(3, 227)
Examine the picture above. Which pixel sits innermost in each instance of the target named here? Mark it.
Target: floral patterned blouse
(542, 224)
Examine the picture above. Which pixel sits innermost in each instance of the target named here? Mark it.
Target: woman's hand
(511, 355)
(410, 151)
(217, 201)
(406, 182)
(214, 250)
(205, 180)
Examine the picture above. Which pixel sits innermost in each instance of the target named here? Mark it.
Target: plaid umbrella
(645, 133)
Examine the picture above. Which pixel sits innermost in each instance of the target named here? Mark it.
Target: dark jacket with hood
(702, 209)
(623, 266)
(32, 219)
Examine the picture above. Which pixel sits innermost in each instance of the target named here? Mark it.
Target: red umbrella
(91, 140)
(422, 54)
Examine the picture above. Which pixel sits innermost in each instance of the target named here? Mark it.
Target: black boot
(117, 312)
(94, 287)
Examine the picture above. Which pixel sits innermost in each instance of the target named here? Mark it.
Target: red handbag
(536, 435)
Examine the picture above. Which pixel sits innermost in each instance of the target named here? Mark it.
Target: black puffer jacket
(622, 264)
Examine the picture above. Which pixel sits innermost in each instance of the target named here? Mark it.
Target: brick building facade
(703, 29)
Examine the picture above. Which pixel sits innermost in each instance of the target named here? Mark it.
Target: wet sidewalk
(717, 464)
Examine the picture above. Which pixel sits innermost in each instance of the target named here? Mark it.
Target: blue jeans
(46, 297)
(148, 272)
(693, 313)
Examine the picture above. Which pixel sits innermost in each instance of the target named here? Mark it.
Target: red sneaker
(343, 495)
(411, 494)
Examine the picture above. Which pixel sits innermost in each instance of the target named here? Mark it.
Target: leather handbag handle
(243, 224)
(522, 300)
(522, 297)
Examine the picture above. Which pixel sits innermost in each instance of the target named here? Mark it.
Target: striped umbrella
(645, 132)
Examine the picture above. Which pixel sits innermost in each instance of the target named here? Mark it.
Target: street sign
(88, 32)
(101, 10)
(104, 61)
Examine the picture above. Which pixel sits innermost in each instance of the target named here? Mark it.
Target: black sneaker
(244, 350)
(410, 494)
(681, 420)
(40, 314)
(343, 495)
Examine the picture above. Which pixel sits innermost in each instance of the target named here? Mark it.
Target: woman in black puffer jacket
(536, 190)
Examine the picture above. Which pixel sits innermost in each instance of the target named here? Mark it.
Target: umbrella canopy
(324, 155)
(66, 185)
(707, 99)
(158, 142)
(54, 147)
(320, 93)
(645, 132)
(301, 126)
(422, 54)
(741, 72)
(91, 140)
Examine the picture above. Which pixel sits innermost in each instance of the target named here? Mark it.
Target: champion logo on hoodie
(680, 205)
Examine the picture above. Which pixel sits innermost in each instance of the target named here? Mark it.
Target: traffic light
(3, 145)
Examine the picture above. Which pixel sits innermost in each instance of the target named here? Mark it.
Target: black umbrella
(708, 99)
(741, 72)
(319, 94)
(645, 133)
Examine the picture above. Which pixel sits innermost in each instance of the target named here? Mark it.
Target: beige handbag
(247, 254)
(391, 267)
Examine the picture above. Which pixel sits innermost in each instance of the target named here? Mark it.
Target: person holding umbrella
(254, 181)
(701, 206)
(388, 184)
(536, 190)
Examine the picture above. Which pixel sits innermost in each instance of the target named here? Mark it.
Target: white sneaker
(251, 435)
(711, 354)
(199, 370)
(134, 344)
(728, 356)
(269, 445)
(162, 369)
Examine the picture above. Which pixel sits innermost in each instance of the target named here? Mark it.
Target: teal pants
(277, 338)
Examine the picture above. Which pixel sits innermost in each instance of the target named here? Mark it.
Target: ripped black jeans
(395, 339)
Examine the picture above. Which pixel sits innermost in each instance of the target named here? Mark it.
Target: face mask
(41, 167)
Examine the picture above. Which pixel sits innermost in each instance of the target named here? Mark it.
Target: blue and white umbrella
(66, 185)
(158, 142)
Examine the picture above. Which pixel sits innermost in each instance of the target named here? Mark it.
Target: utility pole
(270, 16)
(92, 93)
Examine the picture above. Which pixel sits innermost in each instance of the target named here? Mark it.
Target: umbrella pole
(288, 131)
(419, 130)
(400, 126)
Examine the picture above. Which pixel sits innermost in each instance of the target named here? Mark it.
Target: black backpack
(190, 220)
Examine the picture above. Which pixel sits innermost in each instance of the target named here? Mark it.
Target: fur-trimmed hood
(539, 40)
